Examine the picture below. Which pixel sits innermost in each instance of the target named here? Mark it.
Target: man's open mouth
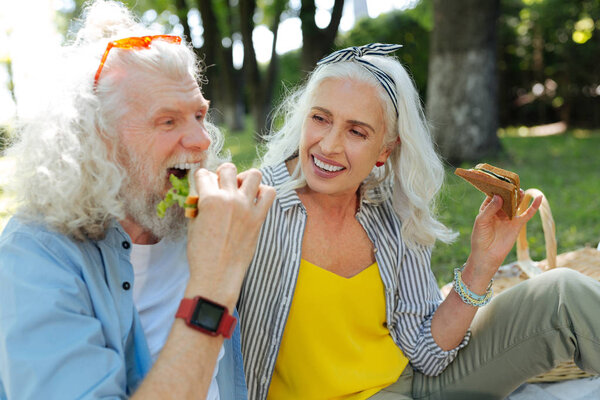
(181, 170)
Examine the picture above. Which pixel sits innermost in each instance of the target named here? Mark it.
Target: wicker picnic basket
(585, 260)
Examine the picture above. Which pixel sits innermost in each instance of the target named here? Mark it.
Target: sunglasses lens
(142, 42)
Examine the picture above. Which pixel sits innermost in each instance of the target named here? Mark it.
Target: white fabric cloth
(578, 389)
(161, 274)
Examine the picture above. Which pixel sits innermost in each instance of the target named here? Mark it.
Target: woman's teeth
(325, 166)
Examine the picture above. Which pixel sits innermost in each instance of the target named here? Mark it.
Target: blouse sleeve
(419, 298)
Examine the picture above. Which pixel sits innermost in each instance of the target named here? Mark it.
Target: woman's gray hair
(414, 170)
(67, 173)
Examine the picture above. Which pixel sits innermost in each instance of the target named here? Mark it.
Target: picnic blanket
(577, 389)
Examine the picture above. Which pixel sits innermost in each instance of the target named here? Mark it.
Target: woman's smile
(326, 168)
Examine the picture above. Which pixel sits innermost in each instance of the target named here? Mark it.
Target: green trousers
(523, 332)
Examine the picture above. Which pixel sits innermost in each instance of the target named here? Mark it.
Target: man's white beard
(141, 192)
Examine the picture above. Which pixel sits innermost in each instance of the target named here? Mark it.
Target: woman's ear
(387, 150)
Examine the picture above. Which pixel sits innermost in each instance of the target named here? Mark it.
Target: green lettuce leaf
(180, 189)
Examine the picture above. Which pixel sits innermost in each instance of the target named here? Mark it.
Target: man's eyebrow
(172, 110)
(323, 110)
(351, 121)
(166, 110)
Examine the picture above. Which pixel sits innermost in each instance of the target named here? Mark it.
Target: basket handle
(548, 227)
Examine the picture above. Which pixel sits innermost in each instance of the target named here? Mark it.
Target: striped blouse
(411, 291)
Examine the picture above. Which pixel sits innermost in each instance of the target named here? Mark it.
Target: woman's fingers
(485, 202)
(492, 207)
(531, 210)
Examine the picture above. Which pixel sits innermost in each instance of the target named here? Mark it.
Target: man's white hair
(67, 171)
(414, 170)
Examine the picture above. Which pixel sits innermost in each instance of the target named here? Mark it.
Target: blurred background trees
(545, 78)
(478, 64)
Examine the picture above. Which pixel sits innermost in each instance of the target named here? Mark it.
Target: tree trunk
(317, 42)
(261, 86)
(223, 88)
(252, 75)
(462, 87)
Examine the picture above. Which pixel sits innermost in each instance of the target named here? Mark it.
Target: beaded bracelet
(467, 296)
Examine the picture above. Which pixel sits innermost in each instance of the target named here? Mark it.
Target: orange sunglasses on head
(141, 42)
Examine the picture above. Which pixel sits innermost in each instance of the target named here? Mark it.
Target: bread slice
(493, 180)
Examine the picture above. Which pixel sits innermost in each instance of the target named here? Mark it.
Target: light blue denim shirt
(68, 325)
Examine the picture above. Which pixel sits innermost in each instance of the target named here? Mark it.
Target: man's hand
(222, 238)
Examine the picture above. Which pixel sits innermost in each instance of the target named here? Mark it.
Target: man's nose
(196, 136)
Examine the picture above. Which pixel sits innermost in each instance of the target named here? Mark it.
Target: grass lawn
(565, 167)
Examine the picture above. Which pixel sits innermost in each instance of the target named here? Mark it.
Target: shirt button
(126, 285)
(126, 244)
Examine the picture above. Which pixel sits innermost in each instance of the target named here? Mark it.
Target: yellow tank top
(336, 344)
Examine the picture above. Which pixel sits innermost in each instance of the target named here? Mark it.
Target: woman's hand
(494, 235)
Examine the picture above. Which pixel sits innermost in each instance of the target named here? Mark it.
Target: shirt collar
(115, 234)
(289, 198)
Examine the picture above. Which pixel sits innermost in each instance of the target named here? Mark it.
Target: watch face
(207, 315)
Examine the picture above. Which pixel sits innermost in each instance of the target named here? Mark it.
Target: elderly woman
(340, 301)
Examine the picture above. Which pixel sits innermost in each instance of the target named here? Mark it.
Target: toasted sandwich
(493, 180)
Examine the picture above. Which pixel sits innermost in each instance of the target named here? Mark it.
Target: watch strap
(186, 308)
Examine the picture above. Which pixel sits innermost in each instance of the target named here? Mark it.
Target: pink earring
(379, 163)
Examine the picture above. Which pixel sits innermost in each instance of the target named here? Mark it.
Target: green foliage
(410, 28)
(289, 74)
(267, 10)
(242, 146)
(423, 14)
(553, 45)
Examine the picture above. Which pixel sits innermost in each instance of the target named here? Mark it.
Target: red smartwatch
(207, 316)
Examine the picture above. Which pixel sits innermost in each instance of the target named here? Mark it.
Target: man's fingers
(227, 174)
(264, 199)
(249, 182)
(206, 182)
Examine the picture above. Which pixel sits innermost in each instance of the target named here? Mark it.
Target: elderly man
(91, 280)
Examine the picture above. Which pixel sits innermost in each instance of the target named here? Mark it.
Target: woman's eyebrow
(360, 123)
(351, 121)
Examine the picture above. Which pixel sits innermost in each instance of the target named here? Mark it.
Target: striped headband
(372, 49)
